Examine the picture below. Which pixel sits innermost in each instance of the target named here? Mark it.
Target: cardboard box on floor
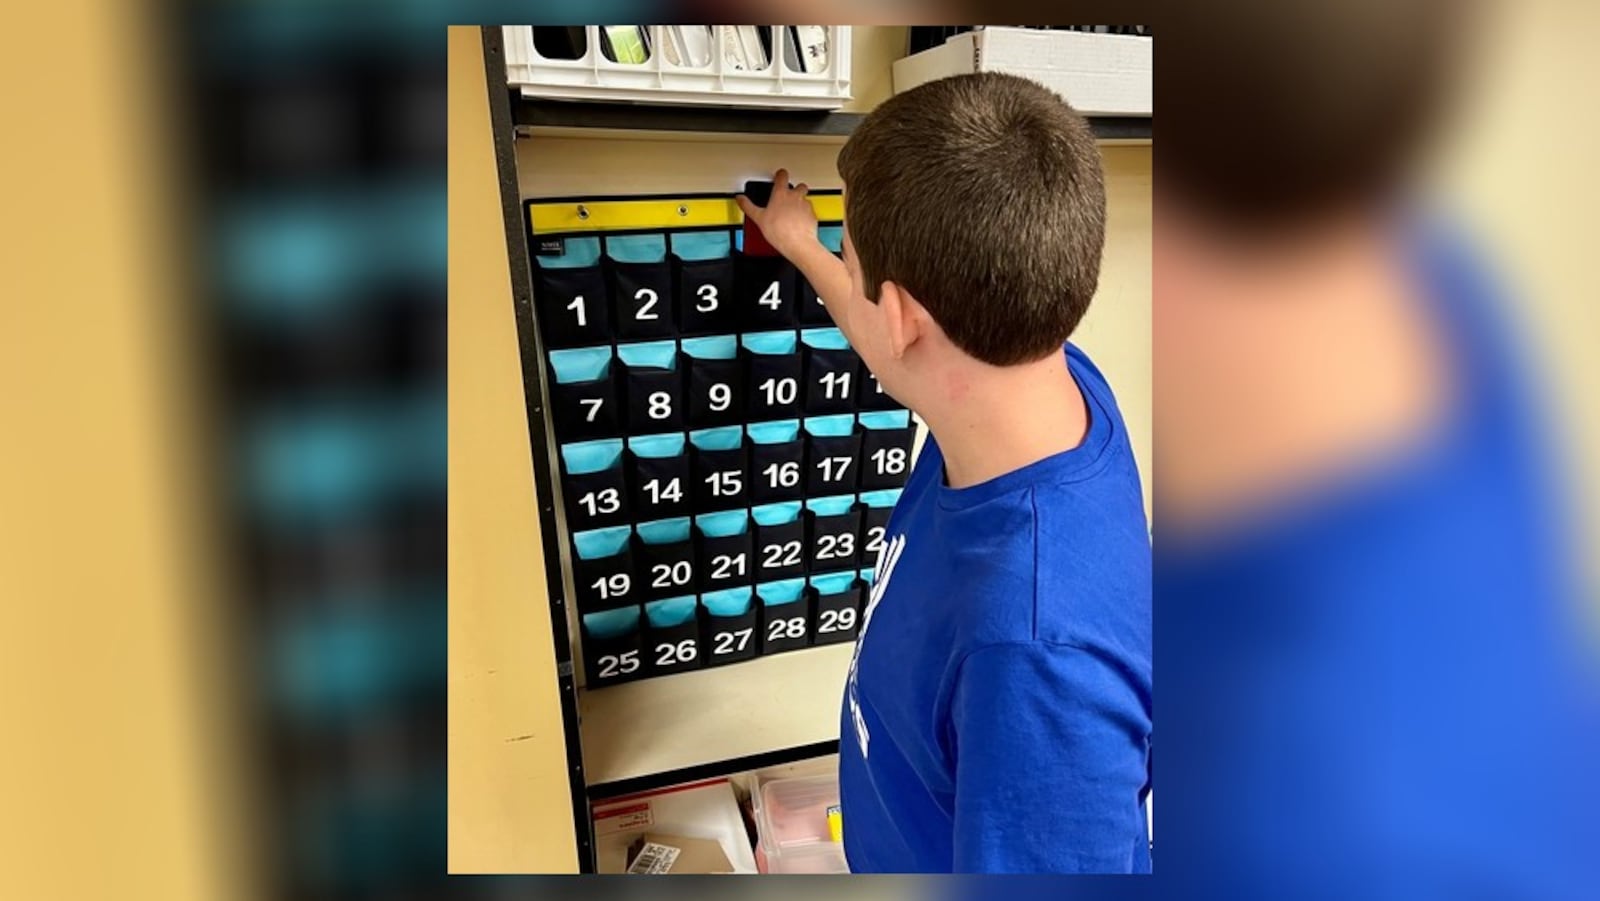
(707, 810)
(656, 853)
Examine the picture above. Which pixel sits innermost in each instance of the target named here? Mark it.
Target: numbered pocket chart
(727, 464)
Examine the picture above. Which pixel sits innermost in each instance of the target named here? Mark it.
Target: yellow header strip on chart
(620, 215)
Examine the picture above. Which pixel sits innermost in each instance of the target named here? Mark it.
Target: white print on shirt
(888, 559)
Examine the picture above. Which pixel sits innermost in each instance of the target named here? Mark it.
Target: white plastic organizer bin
(668, 75)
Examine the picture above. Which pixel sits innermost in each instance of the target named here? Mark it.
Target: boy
(997, 713)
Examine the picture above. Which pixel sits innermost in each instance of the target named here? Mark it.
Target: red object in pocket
(755, 243)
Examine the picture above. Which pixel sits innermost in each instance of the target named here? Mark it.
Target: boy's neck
(990, 420)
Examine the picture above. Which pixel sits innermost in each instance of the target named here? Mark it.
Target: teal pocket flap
(831, 506)
(637, 248)
(721, 525)
(701, 245)
(886, 419)
(579, 252)
(776, 594)
(727, 602)
(884, 498)
(650, 354)
(774, 432)
(611, 623)
(725, 438)
(831, 426)
(656, 447)
(591, 456)
(716, 347)
(767, 343)
(833, 583)
(832, 237)
(671, 612)
(865, 575)
(582, 365)
(601, 543)
(664, 531)
(824, 339)
(775, 514)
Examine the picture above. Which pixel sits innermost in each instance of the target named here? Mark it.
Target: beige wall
(509, 807)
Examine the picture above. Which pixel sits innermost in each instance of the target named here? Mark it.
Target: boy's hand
(787, 221)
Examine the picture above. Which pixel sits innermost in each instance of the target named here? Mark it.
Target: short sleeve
(1052, 763)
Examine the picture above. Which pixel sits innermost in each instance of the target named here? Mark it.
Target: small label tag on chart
(552, 247)
(622, 819)
(653, 858)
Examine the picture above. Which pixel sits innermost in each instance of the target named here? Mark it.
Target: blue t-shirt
(997, 715)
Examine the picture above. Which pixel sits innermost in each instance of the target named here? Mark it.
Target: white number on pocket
(837, 620)
(833, 468)
(721, 397)
(594, 406)
(780, 391)
(725, 484)
(775, 555)
(673, 492)
(606, 501)
(733, 642)
(646, 309)
(660, 405)
(669, 575)
(832, 547)
(577, 304)
(723, 566)
(708, 298)
(890, 460)
(786, 628)
(836, 384)
(875, 539)
(618, 664)
(782, 475)
(682, 652)
(770, 297)
(612, 586)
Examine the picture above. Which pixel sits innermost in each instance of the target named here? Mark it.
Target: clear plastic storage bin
(792, 826)
(775, 66)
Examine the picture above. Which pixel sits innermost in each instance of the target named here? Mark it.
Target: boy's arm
(790, 226)
(1050, 762)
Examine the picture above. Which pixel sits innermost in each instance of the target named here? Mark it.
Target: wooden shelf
(530, 113)
(712, 722)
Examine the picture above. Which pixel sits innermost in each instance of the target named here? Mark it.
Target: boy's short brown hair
(982, 196)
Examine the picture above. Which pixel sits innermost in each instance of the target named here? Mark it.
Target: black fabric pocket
(785, 627)
(572, 306)
(775, 472)
(724, 562)
(834, 541)
(596, 499)
(721, 479)
(833, 464)
(585, 410)
(706, 301)
(655, 398)
(780, 551)
(727, 639)
(886, 457)
(838, 616)
(605, 582)
(660, 485)
(871, 396)
(831, 379)
(643, 308)
(675, 649)
(664, 570)
(772, 385)
(613, 660)
(767, 292)
(716, 392)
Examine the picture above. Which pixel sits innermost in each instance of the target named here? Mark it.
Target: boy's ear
(903, 315)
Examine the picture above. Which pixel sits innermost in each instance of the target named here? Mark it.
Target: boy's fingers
(780, 179)
(801, 189)
(750, 209)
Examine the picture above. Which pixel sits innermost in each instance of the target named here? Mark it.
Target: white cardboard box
(697, 810)
(1099, 74)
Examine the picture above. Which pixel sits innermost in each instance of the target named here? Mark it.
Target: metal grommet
(683, 209)
(583, 211)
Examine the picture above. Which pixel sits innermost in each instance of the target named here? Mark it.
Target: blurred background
(223, 509)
